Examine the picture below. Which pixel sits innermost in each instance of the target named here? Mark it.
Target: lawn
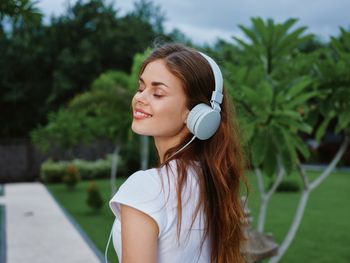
(323, 237)
(324, 234)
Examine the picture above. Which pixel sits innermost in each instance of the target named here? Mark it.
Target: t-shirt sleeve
(142, 191)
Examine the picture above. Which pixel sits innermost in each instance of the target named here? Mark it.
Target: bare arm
(139, 236)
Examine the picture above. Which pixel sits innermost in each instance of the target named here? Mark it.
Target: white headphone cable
(107, 246)
(183, 147)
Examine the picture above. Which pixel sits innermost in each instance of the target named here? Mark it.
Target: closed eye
(140, 89)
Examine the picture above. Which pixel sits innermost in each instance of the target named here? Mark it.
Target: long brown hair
(221, 169)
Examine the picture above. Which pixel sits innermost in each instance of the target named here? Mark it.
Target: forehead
(158, 71)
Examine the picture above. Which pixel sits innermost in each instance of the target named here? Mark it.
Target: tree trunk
(293, 228)
(308, 188)
(266, 196)
(330, 168)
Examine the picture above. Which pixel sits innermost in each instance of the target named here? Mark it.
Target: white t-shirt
(154, 193)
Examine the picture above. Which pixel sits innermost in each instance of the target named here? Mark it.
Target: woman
(187, 209)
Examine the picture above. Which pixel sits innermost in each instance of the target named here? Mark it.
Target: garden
(322, 236)
(290, 91)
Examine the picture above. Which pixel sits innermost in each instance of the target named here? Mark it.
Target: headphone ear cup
(203, 121)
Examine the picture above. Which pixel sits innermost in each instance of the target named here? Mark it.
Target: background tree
(271, 103)
(334, 84)
(18, 13)
(103, 112)
(44, 66)
(332, 105)
(276, 90)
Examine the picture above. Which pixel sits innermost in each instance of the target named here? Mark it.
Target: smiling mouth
(141, 115)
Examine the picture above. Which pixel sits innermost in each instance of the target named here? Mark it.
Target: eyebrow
(154, 83)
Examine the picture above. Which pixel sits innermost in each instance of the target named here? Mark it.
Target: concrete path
(37, 229)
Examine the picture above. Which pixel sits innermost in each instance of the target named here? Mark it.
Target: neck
(164, 144)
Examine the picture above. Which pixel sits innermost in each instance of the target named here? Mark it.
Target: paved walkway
(37, 229)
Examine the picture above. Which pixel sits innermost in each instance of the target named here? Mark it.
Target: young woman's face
(159, 106)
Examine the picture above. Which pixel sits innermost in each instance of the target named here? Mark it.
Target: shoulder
(149, 177)
(142, 188)
(153, 176)
(142, 191)
(141, 185)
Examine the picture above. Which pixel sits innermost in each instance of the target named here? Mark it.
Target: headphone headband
(216, 98)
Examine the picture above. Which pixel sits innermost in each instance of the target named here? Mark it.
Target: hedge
(53, 171)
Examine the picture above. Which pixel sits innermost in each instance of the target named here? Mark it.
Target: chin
(139, 130)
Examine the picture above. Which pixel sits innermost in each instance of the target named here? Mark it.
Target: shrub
(100, 168)
(288, 186)
(71, 176)
(52, 172)
(94, 198)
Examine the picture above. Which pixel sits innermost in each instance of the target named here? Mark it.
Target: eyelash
(154, 95)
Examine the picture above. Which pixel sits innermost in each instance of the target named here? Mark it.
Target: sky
(204, 21)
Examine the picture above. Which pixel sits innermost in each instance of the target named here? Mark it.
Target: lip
(143, 115)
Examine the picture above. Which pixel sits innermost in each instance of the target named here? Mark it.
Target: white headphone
(203, 120)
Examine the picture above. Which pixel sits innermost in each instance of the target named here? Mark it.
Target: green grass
(323, 237)
(98, 225)
(324, 234)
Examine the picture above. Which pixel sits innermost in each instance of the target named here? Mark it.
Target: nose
(140, 97)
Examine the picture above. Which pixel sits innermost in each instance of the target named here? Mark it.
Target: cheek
(174, 111)
(172, 119)
(133, 101)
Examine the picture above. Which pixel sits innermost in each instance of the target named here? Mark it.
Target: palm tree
(272, 99)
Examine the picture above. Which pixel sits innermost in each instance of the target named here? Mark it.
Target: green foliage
(64, 130)
(106, 105)
(71, 176)
(288, 185)
(333, 77)
(271, 105)
(101, 112)
(139, 58)
(43, 66)
(270, 43)
(94, 199)
(110, 79)
(52, 172)
(20, 12)
(95, 40)
(100, 168)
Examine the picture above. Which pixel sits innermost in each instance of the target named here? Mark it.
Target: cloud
(322, 17)
(206, 20)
